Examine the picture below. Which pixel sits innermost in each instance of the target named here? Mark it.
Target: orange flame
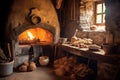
(34, 34)
(30, 35)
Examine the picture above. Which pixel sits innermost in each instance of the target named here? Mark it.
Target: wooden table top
(99, 55)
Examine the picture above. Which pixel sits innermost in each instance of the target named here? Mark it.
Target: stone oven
(31, 23)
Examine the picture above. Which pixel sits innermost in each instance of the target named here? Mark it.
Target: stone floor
(41, 73)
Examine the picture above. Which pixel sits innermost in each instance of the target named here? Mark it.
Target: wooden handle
(9, 50)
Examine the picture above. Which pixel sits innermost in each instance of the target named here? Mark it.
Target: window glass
(99, 8)
(99, 19)
(100, 13)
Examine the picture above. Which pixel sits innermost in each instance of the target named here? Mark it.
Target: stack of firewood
(68, 66)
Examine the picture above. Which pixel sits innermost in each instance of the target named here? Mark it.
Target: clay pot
(6, 68)
(44, 60)
(62, 40)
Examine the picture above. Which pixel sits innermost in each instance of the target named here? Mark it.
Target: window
(99, 13)
(92, 16)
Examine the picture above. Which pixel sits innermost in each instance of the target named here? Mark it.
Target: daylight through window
(92, 16)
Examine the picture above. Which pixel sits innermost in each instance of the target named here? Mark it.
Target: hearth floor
(41, 73)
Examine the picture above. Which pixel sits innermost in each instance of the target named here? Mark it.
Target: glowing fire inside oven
(36, 35)
(31, 37)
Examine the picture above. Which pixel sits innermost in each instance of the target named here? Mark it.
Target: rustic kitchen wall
(86, 15)
(87, 19)
(113, 19)
(111, 35)
(70, 22)
(69, 17)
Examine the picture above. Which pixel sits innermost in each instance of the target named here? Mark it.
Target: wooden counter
(95, 55)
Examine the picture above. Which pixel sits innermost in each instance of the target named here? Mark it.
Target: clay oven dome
(30, 14)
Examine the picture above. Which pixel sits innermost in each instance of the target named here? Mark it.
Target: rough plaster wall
(21, 9)
(112, 18)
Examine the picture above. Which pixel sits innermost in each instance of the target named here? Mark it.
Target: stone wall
(111, 35)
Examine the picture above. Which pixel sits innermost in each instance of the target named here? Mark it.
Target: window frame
(95, 13)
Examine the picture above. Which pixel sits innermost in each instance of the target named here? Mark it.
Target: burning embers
(36, 36)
